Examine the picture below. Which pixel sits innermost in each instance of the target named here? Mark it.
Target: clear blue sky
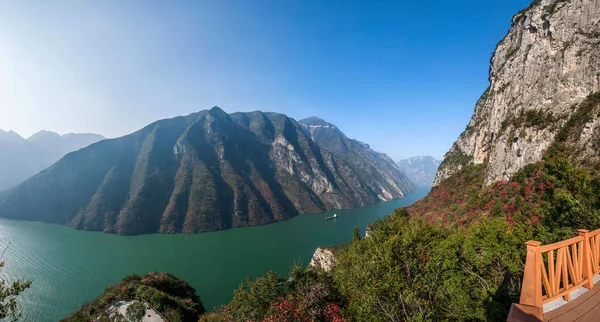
(402, 76)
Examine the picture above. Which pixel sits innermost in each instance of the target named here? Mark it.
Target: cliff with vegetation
(545, 67)
(171, 297)
(203, 172)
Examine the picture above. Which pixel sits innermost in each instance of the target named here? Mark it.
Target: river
(70, 267)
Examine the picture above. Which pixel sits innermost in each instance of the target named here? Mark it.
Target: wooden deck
(585, 308)
(582, 309)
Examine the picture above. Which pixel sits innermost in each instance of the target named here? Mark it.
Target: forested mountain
(22, 158)
(202, 172)
(421, 170)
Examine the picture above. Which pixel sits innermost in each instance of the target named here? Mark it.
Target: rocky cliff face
(323, 259)
(206, 171)
(541, 74)
(378, 171)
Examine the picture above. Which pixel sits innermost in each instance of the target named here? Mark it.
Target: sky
(402, 76)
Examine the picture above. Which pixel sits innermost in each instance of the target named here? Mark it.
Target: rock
(323, 258)
(548, 62)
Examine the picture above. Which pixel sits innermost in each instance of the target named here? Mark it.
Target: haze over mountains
(207, 171)
(22, 158)
(420, 170)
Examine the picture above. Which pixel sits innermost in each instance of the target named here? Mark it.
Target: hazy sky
(402, 76)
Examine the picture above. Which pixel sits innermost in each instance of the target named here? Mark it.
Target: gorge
(69, 267)
(207, 171)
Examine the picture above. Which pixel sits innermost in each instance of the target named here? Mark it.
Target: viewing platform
(559, 281)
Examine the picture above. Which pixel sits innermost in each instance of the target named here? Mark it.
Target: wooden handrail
(555, 270)
(560, 244)
(594, 243)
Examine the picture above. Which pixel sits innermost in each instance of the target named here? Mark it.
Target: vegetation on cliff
(307, 295)
(174, 299)
(458, 254)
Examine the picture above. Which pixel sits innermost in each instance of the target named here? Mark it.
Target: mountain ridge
(420, 169)
(206, 171)
(22, 158)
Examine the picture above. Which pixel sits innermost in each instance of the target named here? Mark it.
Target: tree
(252, 300)
(8, 296)
(355, 234)
(135, 312)
(117, 317)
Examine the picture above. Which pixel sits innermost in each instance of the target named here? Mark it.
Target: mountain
(17, 159)
(541, 76)
(420, 170)
(22, 158)
(376, 169)
(202, 172)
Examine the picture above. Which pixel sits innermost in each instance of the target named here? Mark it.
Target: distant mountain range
(378, 170)
(207, 171)
(22, 158)
(420, 170)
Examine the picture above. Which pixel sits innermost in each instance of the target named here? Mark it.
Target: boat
(332, 217)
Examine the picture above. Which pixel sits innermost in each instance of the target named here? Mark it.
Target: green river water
(69, 267)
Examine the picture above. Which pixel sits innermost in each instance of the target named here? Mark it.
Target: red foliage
(291, 309)
(464, 197)
(510, 220)
(333, 313)
(284, 311)
(534, 219)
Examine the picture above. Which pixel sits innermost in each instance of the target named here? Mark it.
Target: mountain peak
(10, 135)
(216, 109)
(44, 134)
(218, 113)
(315, 121)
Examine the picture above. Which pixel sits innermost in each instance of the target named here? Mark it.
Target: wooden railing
(555, 270)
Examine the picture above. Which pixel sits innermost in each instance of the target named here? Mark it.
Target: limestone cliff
(545, 67)
(323, 258)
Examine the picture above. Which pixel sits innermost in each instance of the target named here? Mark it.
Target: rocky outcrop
(323, 258)
(541, 72)
(203, 172)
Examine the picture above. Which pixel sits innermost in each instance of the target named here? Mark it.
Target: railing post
(587, 258)
(531, 291)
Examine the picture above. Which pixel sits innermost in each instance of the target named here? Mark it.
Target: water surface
(70, 267)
